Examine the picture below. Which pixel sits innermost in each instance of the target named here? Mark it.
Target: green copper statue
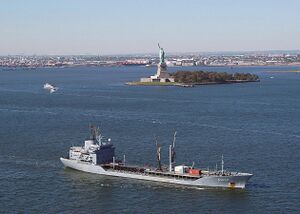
(161, 55)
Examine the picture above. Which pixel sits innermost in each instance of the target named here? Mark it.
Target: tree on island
(194, 77)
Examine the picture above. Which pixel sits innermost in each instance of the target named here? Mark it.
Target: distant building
(187, 62)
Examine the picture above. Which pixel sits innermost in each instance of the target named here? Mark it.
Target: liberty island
(190, 78)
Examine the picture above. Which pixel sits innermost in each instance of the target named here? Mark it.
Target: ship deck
(148, 171)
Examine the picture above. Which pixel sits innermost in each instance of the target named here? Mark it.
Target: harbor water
(255, 126)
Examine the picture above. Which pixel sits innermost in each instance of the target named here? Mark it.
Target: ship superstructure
(98, 156)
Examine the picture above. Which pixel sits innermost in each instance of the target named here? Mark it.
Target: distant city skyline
(65, 27)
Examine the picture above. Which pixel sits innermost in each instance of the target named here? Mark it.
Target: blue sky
(135, 26)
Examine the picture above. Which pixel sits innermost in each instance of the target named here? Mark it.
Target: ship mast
(172, 153)
(158, 155)
(96, 135)
(170, 158)
(222, 165)
(93, 132)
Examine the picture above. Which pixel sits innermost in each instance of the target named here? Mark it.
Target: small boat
(50, 87)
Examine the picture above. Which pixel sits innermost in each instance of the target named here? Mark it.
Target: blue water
(254, 125)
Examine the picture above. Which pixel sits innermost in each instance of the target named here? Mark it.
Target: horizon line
(154, 53)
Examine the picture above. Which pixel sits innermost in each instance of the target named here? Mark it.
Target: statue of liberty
(161, 55)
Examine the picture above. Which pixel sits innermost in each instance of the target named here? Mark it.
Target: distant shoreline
(113, 65)
(287, 71)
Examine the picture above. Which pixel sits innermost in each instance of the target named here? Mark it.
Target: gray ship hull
(238, 180)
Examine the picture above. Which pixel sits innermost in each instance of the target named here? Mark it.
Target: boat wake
(26, 111)
(11, 159)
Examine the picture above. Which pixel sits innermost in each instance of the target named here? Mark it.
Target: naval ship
(98, 156)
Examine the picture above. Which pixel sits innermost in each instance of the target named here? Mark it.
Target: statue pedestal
(162, 71)
(161, 75)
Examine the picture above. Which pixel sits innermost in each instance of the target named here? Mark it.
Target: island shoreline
(186, 84)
